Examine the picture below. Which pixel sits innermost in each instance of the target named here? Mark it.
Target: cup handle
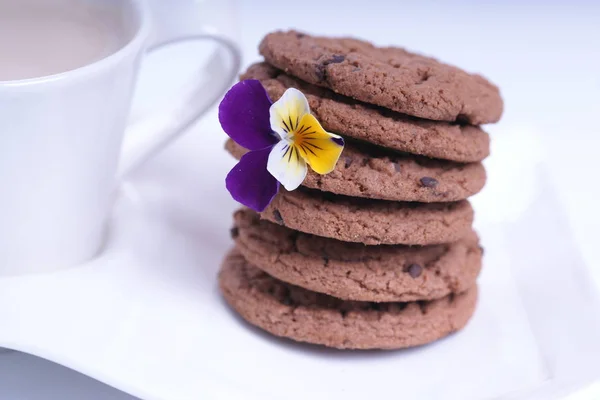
(150, 134)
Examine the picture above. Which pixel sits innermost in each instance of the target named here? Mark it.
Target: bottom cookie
(290, 311)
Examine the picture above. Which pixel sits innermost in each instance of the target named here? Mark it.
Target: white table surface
(545, 57)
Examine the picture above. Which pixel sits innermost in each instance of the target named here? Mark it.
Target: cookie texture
(372, 172)
(369, 221)
(289, 311)
(390, 77)
(377, 125)
(353, 271)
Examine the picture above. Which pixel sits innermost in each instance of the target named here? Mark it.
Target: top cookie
(390, 77)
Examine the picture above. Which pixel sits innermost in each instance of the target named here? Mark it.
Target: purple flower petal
(244, 115)
(250, 183)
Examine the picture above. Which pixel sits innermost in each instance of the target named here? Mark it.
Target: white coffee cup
(61, 141)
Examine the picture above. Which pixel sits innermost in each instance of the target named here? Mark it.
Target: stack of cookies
(379, 253)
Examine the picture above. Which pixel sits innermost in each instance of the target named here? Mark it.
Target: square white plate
(147, 318)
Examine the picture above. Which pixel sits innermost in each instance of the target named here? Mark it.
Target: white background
(545, 57)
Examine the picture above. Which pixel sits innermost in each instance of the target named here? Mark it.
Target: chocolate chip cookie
(290, 311)
(390, 77)
(353, 271)
(372, 172)
(377, 125)
(370, 221)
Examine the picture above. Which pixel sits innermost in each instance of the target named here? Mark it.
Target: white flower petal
(286, 113)
(286, 165)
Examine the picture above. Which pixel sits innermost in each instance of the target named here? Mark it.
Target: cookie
(289, 311)
(351, 118)
(389, 77)
(367, 221)
(370, 171)
(353, 271)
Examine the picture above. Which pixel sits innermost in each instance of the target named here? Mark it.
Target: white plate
(147, 318)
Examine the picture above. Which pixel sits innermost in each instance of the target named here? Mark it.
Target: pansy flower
(284, 138)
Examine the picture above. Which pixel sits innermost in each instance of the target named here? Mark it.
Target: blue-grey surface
(25, 377)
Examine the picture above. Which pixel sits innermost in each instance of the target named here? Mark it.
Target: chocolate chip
(397, 167)
(348, 162)
(423, 76)
(326, 261)
(429, 182)
(300, 35)
(321, 68)
(414, 270)
(481, 249)
(278, 217)
(234, 232)
(321, 72)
